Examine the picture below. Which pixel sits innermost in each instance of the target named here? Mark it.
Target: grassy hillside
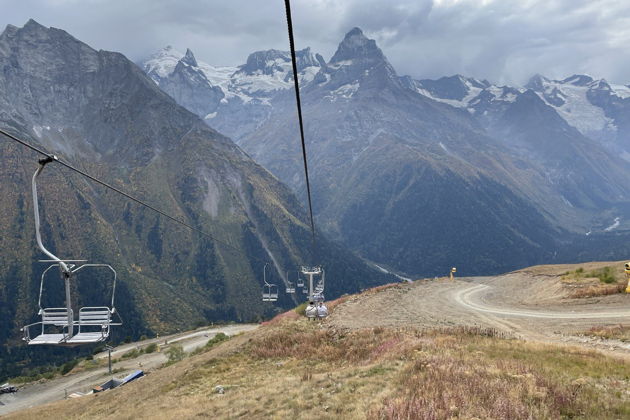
(294, 368)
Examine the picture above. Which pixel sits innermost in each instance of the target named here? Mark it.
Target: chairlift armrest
(30, 325)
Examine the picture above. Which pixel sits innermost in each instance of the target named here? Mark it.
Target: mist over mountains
(421, 175)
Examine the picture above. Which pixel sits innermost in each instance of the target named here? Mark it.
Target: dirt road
(526, 304)
(38, 393)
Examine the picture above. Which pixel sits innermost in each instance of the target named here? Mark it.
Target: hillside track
(42, 392)
(527, 304)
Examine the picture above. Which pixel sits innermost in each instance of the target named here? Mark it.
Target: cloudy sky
(505, 41)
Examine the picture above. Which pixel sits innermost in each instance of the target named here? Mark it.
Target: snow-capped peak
(162, 63)
(578, 80)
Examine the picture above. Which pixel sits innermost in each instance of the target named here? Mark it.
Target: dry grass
(617, 332)
(599, 290)
(300, 369)
(600, 281)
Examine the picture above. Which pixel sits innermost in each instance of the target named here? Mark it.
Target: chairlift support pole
(109, 356)
(311, 272)
(63, 267)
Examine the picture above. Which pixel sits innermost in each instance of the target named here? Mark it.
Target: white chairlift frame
(290, 288)
(270, 291)
(315, 293)
(64, 317)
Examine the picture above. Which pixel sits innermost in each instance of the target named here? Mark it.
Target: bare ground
(532, 304)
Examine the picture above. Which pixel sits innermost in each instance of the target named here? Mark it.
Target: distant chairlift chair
(270, 291)
(93, 324)
(290, 288)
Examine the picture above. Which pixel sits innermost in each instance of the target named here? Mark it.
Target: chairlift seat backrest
(95, 316)
(56, 316)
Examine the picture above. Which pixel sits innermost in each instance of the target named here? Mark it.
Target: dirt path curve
(38, 393)
(466, 298)
(527, 304)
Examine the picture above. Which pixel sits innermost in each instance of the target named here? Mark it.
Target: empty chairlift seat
(270, 293)
(52, 318)
(94, 323)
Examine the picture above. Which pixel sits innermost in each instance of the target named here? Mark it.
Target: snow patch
(577, 110)
(621, 91)
(567, 202)
(615, 225)
(345, 91)
(473, 92)
(163, 62)
(340, 64)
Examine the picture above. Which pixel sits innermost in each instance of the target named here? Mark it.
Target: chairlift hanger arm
(38, 236)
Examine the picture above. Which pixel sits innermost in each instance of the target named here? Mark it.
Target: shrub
(175, 353)
(301, 309)
(605, 275)
(132, 354)
(151, 348)
(218, 338)
(68, 366)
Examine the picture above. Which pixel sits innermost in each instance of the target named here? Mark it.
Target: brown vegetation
(616, 332)
(295, 368)
(600, 281)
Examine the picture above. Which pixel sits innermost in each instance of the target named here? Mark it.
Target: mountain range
(422, 175)
(100, 112)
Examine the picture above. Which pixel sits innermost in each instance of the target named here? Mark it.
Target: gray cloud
(505, 41)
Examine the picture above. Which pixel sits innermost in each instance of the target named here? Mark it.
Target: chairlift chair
(270, 291)
(290, 288)
(93, 324)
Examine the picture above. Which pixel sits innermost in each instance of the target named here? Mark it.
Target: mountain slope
(397, 174)
(424, 174)
(98, 110)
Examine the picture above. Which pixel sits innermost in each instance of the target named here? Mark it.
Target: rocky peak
(578, 80)
(356, 45)
(305, 58)
(189, 58)
(33, 25)
(537, 83)
(265, 62)
(269, 62)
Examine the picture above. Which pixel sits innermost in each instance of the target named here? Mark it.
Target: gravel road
(527, 304)
(38, 393)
